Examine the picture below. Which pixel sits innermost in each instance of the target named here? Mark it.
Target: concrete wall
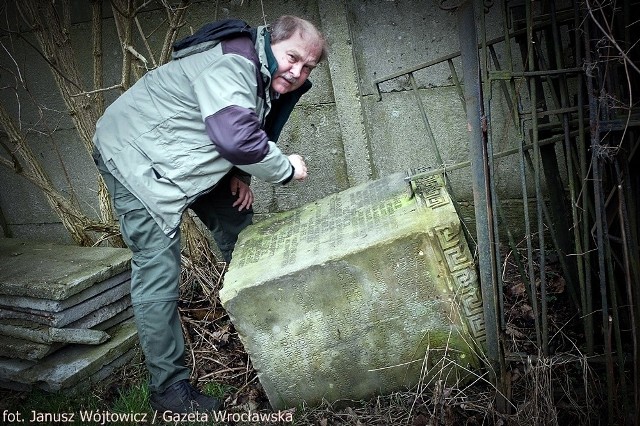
(345, 133)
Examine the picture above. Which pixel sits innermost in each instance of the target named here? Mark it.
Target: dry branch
(53, 35)
(176, 20)
(72, 219)
(123, 13)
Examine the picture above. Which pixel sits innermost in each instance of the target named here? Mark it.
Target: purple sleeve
(236, 133)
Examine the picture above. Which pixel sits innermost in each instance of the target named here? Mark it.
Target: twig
(104, 89)
(146, 42)
(611, 39)
(138, 55)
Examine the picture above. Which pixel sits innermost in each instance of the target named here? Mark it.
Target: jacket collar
(272, 62)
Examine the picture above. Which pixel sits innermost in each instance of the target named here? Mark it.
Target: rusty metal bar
(530, 277)
(553, 65)
(537, 160)
(600, 217)
(502, 154)
(632, 278)
(483, 69)
(569, 264)
(581, 234)
(480, 178)
(6, 230)
(376, 82)
(456, 81)
(436, 150)
(507, 75)
(509, 96)
(511, 89)
(565, 104)
(425, 119)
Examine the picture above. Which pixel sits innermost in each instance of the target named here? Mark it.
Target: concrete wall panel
(346, 134)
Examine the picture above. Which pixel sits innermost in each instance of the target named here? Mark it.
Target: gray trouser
(155, 275)
(225, 222)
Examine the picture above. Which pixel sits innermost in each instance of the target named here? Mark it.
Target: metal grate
(568, 73)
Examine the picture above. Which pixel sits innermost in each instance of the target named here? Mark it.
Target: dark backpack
(216, 31)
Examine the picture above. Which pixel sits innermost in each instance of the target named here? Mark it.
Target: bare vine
(49, 24)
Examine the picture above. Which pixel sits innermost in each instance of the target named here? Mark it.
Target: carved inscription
(338, 219)
(375, 304)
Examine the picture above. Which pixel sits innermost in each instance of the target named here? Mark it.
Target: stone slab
(100, 320)
(71, 314)
(27, 330)
(105, 372)
(360, 293)
(12, 347)
(106, 316)
(60, 305)
(56, 272)
(71, 365)
(10, 367)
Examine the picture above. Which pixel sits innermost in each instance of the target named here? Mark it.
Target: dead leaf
(556, 284)
(420, 420)
(515, 375)
(221, 335)
(511, 331)
(200, 313)
(517, 290)
(527, 312)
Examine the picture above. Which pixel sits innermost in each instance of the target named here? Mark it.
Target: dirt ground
(556, 389)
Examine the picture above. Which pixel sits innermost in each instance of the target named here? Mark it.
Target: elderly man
(190, 134)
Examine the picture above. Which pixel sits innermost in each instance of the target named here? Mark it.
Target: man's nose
(296, 70)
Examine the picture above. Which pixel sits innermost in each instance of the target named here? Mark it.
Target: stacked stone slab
(368, 291)
(65, 313)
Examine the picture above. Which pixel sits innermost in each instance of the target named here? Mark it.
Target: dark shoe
(181, 397)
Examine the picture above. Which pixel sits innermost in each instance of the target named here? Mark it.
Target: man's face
(296, 58)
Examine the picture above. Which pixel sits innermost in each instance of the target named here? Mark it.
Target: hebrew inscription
(344, 217)
(348, 296)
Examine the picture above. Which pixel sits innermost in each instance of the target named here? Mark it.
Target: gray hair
(287, 25)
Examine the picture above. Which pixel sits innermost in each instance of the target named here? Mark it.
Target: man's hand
(243, 192)
(299, 166)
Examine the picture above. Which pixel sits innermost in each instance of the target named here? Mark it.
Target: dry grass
(564, 388)
(540, 391)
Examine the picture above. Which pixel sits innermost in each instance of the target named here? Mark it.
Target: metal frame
(588, 219)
